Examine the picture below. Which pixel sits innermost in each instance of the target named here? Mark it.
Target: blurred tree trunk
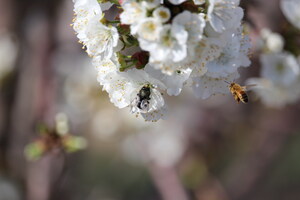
(34, 24)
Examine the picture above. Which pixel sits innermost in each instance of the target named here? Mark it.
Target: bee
(239, 92)
(142, 100)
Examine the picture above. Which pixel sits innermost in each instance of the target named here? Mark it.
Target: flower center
(163, 14)
(280, 68)
(167, 39)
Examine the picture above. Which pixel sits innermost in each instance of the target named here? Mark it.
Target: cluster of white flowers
(280, 73)
(150, 48)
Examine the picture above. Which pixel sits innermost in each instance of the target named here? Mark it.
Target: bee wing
(248, 87)
(133, 104)
(236, 97)
(157, 100)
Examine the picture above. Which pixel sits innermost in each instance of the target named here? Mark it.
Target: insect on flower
(139, 52)
(142, 100)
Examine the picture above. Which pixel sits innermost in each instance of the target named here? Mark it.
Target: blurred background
(50, 102)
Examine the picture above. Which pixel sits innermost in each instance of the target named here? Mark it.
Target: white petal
(290, 9)
(204, 87)
(176, 2)
(155, 115)
(281, 68)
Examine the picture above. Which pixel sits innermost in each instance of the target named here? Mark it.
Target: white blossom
(149, 29)
(290, 9)
(174, 82)
(204, 87)
(273, 42)
(101, 39)
(150, 4)
(171, 45)
(155, 51)
(197, 58)
(156, 106)
(275, 95)
(85, 10)
(124, 89)
(161, 13)
(234, 55)
(193, 24)
(105, 67)
(187, 29)
(156, 115)
(176, 2)
(208, 49)
(133, 13)
(224, 14)
(281, 68)
(169, 67)
(280, 81)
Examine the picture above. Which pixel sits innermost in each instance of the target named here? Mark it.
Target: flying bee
(239, 92)
(142, 100)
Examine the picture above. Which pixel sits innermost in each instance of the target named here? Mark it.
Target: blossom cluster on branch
(279, 81)
(146, 49)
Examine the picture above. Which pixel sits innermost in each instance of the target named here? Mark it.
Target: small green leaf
(34, 151)
(73, 144)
